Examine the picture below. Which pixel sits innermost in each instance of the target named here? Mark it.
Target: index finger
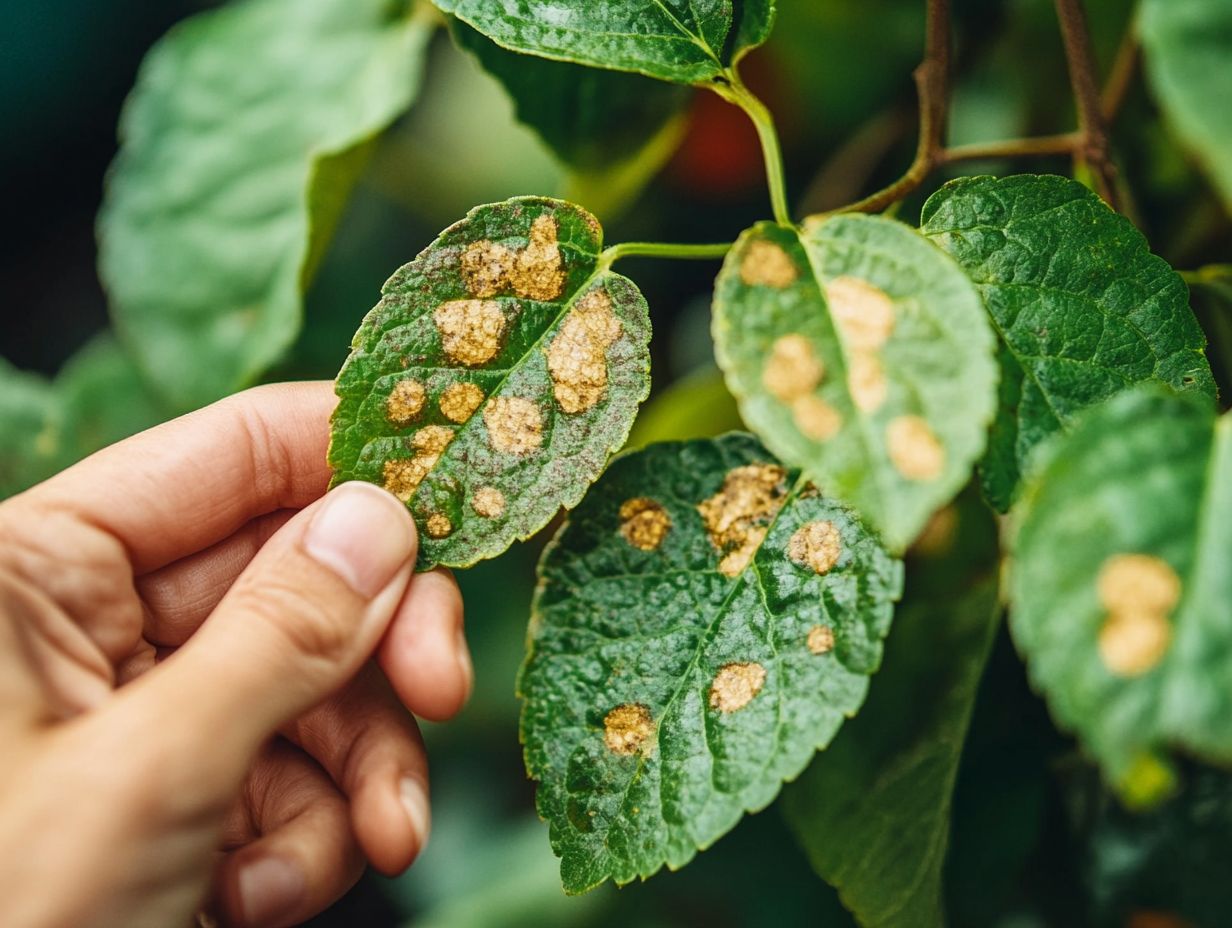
(182, 486)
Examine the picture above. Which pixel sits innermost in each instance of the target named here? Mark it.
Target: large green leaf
(860, 352)
(499, 371)
(1188, 44)
(705, 621)
(245, 131)
(685, 41)
(1120, 586)
(1082, 307)
(873, 811)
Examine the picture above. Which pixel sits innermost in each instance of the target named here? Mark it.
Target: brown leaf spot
(405, 402)
(577, 358)
(628, 728)
(460, 400)
(485, 268)
(821, 639)
(735, 685)
(470, 330)
(863, 313)
(816, 418)
(536, 272)
(768, 265)
(816, 545)
(403, 476)
(438, 525)
(792, 369)
(736, 517)
(644, 523)
(913, 448)
(515, 424)
(866, 381)
(1139, 591)
(488, 502)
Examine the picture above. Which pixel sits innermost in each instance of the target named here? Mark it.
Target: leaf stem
(614, 253)
(1084, 80)
(735, 91)
(1036, 146)
(1124, 69)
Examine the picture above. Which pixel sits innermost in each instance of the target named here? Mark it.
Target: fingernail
(270, 889)
(464, 662)
(363, 534)
(415, 801)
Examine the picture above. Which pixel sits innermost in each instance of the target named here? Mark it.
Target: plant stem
(614, 253)
(735, 91)
(1094, 149)
(1121, 77)
(1038, 146)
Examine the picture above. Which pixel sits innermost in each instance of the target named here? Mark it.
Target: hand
(167, 607)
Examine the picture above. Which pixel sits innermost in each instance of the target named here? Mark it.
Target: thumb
(299, 622)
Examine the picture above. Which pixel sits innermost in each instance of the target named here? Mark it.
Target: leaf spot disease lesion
(488, 502)
(470, 330)
(737, 517)
(1139, 592)
(438, 525)
(403, 475)
(405, 402)
(821, 639)
(914, 450)
(628, 729)
(735, 685)
(514, 423)
(766, 264)
(864, 317)
(577, 357)
(459, 401)
(816, 545)
(791, 374)
(536, 272)
(644, 523)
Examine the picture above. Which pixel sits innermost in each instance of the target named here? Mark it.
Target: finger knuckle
(310, 625)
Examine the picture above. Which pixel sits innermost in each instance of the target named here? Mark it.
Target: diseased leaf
(246, 129)
(1082, 307)
(860, 352)
(683, 41)
(704, 623)
(1187, 45)
(873, 811)
(1120, 586)
(498, 372)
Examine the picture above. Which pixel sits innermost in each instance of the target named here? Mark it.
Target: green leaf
(246, 129)
(501, 369)
(591, 119)
(683, 41)
(1187, 45)
(704, 623)
(1120, 586)
(873, 811)
(31, 429)
(860, 352)
(1082, 307)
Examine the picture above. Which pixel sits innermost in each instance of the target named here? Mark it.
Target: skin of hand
(206, 667)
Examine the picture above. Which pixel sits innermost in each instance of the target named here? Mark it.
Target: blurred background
(1035, 842)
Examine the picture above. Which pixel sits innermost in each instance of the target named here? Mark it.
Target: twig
(1038, 146)
(1121, 77)
(1079, 55)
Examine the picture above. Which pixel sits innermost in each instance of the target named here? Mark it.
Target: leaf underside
(680, 666)
(500, 370)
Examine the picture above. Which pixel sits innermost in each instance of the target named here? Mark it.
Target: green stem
(734, 91)
(614, 253)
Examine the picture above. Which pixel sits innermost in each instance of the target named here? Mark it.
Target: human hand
(133, 787)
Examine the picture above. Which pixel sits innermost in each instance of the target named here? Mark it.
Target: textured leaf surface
(245, 131)
(860, 352)
(1120, 584)
(705, 622)
(499, 371)
(1188, 44)
(685, 41)
(1082, 307)
(873, 811)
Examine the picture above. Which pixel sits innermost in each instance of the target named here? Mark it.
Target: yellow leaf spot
(821, 639)
(792, 369)
(471, 330)
(735, 685)
(816, 545)
(768, 265)
(405, 402)
(460, 400)
(485, 268)
(536, 272)
(438, 525)
(515, 424)
(488, 502)
(863, 313)
(737, 515)
(866, 380)
(577, 357)
(816, 418)
(628, 728)
(913, 448)
(403, 476)
(1139, 592)
(644, 523)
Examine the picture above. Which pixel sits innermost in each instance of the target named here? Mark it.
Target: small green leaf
(704, 623)
(501, 369)
(246, 130)
(1119, 583)
(1187, 45)
(859, 352)
(873, 811)
(683, 41)
(1082, 307)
